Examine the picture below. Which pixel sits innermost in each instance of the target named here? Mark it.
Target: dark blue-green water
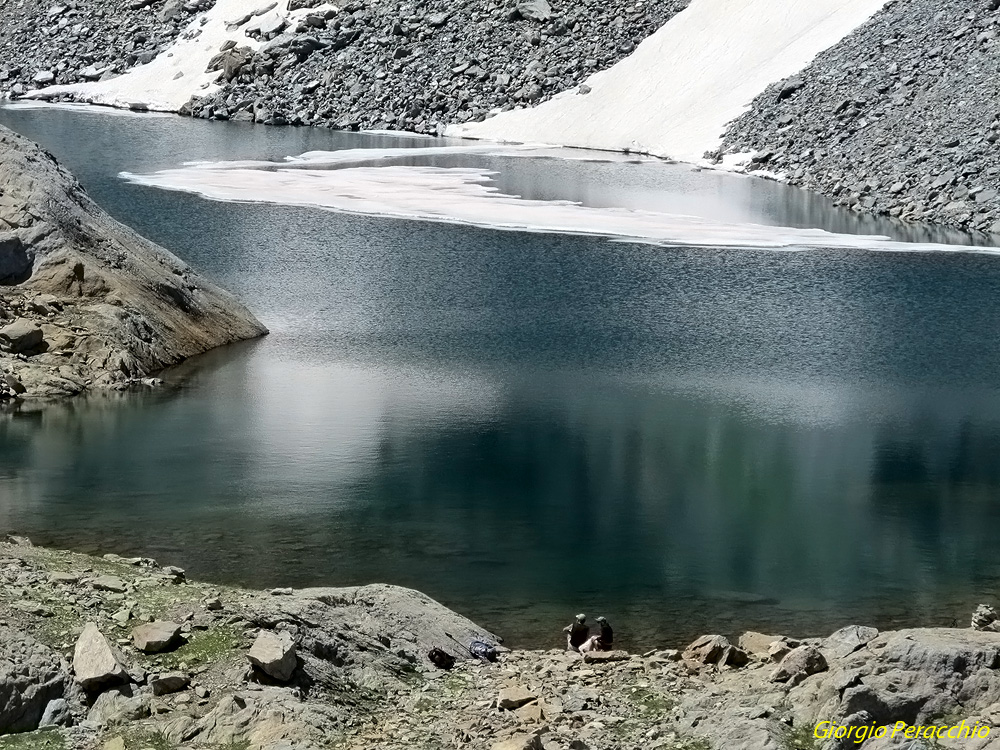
(526, 426)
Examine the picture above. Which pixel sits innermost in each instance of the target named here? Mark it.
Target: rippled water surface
(526, 425)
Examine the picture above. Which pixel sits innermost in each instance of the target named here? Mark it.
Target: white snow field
(673, 96)
(331, 180)
(178, 73)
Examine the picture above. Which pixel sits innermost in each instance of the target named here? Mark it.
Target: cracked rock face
(85, 302)
(31, 677)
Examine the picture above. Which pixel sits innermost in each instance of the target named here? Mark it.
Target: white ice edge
(465, 196)
(86, 109)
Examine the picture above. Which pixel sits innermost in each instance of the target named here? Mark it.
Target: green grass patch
(204, 647)
(802, 738)
(651, 702)
(43, 739)
(141, 738)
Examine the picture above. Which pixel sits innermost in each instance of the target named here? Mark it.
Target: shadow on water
(526, 426)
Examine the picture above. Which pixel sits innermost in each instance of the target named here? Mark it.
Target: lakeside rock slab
(848, 640)
(274, 654)
(95, 663)
(154, 637)
(94, 305)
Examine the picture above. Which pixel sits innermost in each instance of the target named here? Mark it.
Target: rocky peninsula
(114, 653)
(86, 304)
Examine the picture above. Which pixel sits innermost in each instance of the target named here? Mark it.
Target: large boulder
(534, 10)
(15, 258)
(716, 651)
(21, 336)
(32, 676)
(274, 654)
(800, 663)
(95, 663)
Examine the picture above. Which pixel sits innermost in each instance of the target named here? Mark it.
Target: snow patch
(675, 94)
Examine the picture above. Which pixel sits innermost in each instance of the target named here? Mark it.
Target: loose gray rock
(800, 662)
(110, 583)
(171, 682)
(56, 714)
(20, 336)
(535, 10)
(155, 637)
(514, 697)
(274, 654)
(95, 664)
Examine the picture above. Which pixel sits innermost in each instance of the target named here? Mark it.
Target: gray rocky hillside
(418, 66)
(902, 117)
(117, 653)
(85, 302)
(44, 42)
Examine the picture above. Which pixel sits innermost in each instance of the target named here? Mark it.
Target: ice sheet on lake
(348, 181)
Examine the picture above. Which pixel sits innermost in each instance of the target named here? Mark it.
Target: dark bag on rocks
(441, 659)
(483, 651)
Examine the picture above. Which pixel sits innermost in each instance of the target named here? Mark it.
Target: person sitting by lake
(603, 641)
(577, 633)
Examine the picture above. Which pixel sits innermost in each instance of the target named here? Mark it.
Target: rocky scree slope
(125, 654)
(902, 117)
(370, 64)
(85, 302)
(419, 66)
(44, 43)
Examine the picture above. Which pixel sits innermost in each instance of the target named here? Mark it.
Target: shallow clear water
(526, 426)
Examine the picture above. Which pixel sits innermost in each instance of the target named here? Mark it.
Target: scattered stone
(109, 583)
(170, 682)
(32, 677)
(514, 697)
(157, 636)
(601, 657)
(520, 742)
(985, 618)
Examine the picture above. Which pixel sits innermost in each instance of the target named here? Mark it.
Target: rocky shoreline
(126, 654)
(86, 304)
